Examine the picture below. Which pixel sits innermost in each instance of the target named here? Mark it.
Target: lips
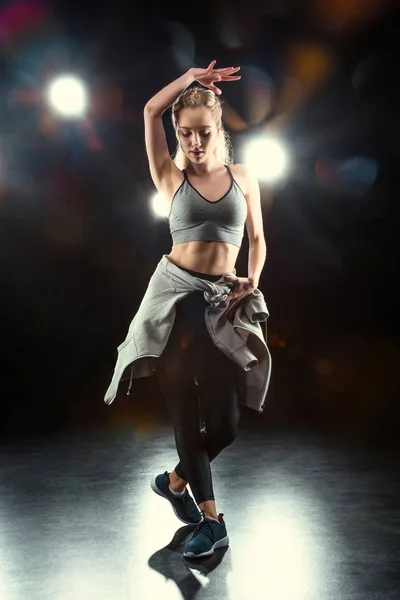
(197, 153)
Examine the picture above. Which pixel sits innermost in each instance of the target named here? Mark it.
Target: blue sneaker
(184, 506)
(208, 535)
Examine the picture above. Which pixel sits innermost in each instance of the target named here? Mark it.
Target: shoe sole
(220, 544)
(160, 493)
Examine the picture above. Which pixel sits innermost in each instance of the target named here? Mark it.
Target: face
(197, 133)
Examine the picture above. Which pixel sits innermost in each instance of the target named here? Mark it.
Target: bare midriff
(212, 258)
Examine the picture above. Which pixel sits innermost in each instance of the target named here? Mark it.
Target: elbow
(258, 240)
(148, 110)
(151, 111)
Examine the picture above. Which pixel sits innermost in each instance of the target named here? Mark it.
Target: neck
(206, 168)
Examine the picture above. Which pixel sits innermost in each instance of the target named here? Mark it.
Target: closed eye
(203, 134)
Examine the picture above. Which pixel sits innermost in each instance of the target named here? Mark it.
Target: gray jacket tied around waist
(242, 340)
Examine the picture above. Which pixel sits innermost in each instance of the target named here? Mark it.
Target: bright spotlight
(160, 205)
(267, 158)
(68, 96)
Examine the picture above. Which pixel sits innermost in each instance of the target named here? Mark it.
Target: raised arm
(160, 161)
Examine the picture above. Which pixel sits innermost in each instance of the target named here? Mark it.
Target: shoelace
(206, 527)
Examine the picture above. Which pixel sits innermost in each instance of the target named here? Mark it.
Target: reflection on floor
(307, 520)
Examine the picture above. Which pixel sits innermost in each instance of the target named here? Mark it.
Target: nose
(196, 140)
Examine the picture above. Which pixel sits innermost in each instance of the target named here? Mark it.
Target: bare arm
(164, 98)
(255, 227)
(160, 162)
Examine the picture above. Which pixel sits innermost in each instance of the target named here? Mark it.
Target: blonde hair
(196, 97)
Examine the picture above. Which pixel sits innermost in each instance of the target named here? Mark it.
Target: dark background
(79, 240)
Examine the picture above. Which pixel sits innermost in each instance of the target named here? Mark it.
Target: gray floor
(307, 520)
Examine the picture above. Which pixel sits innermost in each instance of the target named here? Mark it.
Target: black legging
(205, 416)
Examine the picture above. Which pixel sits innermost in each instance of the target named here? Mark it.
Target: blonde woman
(211, 200)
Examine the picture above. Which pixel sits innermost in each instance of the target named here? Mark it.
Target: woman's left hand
(244, 286)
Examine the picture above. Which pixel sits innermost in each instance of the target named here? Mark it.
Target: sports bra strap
(229, 171)
(184, 173)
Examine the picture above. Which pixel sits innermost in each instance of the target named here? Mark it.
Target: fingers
(231, 69)
(231, 78)
(223, 70)
(224, 74)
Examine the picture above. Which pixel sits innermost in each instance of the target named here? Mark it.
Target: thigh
(218, 380)
(175, 370)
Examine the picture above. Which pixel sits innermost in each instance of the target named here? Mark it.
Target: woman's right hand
(208, 76)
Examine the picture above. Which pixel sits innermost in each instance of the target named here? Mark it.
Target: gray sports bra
(194, 218)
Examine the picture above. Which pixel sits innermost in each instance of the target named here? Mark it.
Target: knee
(186, 427)
(229, 434)
(225, 434)
(227, 438)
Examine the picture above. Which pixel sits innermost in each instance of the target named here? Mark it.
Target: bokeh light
(338, 15)
(323, 366)
(351, 177)
(377, 75)
(273, 338)
(232, 118)
(183, 44)
(68, 96)
(366, 69)
(308, 67)
(227, 27)
(267, 158)
(309, 62)
(160, 205)
(259, 91)
(16, 18)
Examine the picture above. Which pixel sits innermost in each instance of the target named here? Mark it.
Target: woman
(209, 251)
(210, 203)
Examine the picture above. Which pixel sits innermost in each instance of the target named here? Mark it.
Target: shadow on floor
(190, 575)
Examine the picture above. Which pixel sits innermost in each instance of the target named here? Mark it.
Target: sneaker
(208, 535)
(184, 506)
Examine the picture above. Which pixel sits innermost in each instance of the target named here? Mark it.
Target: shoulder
(239, 169)
(245, 177)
